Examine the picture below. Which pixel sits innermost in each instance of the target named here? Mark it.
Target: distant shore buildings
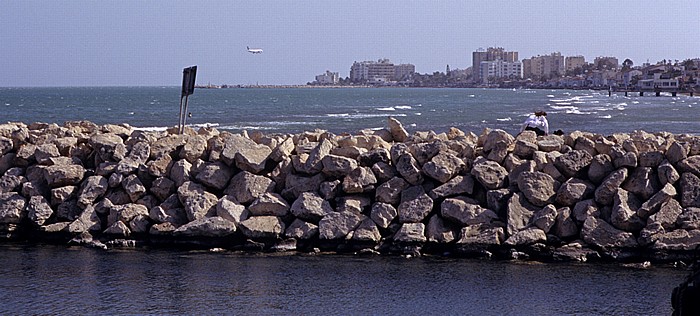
(498, 67)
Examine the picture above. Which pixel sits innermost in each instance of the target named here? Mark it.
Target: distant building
(499, 69)
(609, 63)
(404, 71)
(381, 71)
(544, 67)
(491, 54)
(329, 78)
(573, 62)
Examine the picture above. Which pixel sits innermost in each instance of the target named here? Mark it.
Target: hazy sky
(97, 43)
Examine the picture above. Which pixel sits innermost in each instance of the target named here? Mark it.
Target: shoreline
(577, 197)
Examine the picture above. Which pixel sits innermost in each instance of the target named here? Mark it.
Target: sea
(348, 110)
(38, 279)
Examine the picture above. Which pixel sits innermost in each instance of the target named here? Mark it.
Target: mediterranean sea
(59, 280)
(347, 110)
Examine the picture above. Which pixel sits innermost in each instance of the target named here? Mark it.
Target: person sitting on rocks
(536, 122)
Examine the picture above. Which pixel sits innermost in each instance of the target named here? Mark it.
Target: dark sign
(188, 77)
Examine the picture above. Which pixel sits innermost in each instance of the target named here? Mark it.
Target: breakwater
(580, 196)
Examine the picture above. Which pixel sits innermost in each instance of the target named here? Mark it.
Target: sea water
(348, 110)
(58, 280)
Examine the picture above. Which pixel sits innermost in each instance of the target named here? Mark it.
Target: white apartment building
(329, 78)
(380, 71)
(573, 62)
(489, 70)
(547, 66)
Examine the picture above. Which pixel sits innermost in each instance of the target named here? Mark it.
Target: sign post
(188, 79)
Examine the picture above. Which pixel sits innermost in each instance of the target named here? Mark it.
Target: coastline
(577, 197)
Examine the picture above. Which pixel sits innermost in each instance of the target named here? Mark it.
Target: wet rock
(207, 227)
(301, 230)
(601, 234)
(383, 214)
(262, 227)
(410, 233)
(527, 236)
(12, 208)
(269, 204)
(480, 236)
(465, 211)
(439, 231)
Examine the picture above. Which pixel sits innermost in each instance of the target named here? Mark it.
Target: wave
(403, 107)
(563, 107)
(605, 116)
(338, 115)
(391, 108)
(507, 119)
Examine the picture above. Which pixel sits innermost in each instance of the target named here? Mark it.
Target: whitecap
(338, 115)
(550, 95)
(472, 96)
(403, 107)
(507, 119)
(605, 116)
(419, 113)
(391, 108)
(131, 113)
(412, 125)
(7, 104)
(563, 107)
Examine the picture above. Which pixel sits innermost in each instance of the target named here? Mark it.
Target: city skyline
(79, 43)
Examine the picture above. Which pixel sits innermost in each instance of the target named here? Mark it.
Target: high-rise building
(573, 62)
(546, 66)
(328, 78)
(380, 71)
(496, 69)
(491, 54)
(604, 62)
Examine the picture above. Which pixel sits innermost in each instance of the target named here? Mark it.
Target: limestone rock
(229, 209)
(245, 153)
(38, 210)
(301, 230)
(573, 191)
(597, 232)
(359, 180)
(653, 204)
(643, 182)
(269, 204)
(490, 174)
(480, 236)
(63, 175)
(415, 205)
(337, 166)
(410, 233)
(465, 211)
(92, 189)
(214, 175)
(383, 214)
(390, 191)
(367, 231)
(443, 167)
(12, 208)
(519, 213)
(573, 163)
(601, 166)
(409, 169)
(565, 226)
(245, 187)
(133, 187)
(439, 231)
(545, 218)
(87, 221)
(310, 207)
(527, 236)
(690, 190)
(537, 187)
(262, 227)
(175, 216)
(337, 225)
(456, 186)
(667, 173)
(398, 133)
(207, 227)
(605, 192)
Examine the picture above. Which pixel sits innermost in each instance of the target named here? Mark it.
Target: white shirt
(536, 121)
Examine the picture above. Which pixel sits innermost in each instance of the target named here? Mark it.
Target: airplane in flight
(254, 50)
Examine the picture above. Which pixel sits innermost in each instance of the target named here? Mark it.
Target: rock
(214, 175)
(245, 187)
(229, 209)
(373, 157)
(245, 153)
(667, 173)
(424, 152)
(398, 133)
(545, 218)
(490, 174)
(108, 146)
(439, 231)
(519, 213)
(689, 219)
(12, 180)
(367, 231)
(549, 143)
(480, 236)
(383, 214)
(525, 149)
(537, 187)
(409, 169)
(415, 205)
(310, 207)
(624, 213)
(207, 227)
(456, 186)
(443, 167)
(175, 216)
(295, 185)
(527, 236)
(162, 229)
(133, 187)
(652, 205)
(573, 191)
(162, 188)
(601, 166)
(573, 163)
(584, 209)
(337, 166)
(118, 229)
(162, 166)
(180, 172)
(359, 180)
(45, 152)
(679, 239)
(384, 171)
(262, 227)
(87, 221)
(390, 191)
(93, 188)
(465, 211)
(565, 226)
(690, 190)
(643, 182)
(667, 215)
(63, 175)
(62, 194)
(38, 210)
(314, 162)
(194, 148)
(269, 204)
(598, 233)
(12, 208)
(410, 233)
(336, 225)
(167, 146)
(125, 213)
(605, 192)
(301, 230)
(200, 206)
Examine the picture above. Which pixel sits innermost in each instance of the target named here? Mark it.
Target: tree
(627, 64)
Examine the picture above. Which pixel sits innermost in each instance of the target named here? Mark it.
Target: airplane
(254, 50)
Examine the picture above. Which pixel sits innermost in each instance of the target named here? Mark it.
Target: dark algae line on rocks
(581, 196)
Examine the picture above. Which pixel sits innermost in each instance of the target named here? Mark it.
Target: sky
(148, 43)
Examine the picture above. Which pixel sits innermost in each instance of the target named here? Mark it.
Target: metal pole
(179, 121)
(184, 116)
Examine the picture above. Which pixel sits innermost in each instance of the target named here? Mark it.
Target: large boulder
(439, 231)
(573, 163)
(490, 174)
(527, 236)
(269, 204)
(12, 208)
(301, 230)
(398, 133)
(443, 167)
(207, 227)
(63, 175)
(262, 227)
(359, 180)
(214, 175)
(481, 235)
(390, 191)
(38, 210)
(457, 186)
(245, 153)
(337, 225)
(383, 214)
(599, 233)
(410, 233)
(310, 207)
(573, 191)
(605, 192)
(538, 187)
(415, 205)
(465, 211)
(408, 168)
(245, 187)
(519, 213)
(690, 190)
